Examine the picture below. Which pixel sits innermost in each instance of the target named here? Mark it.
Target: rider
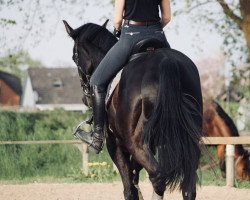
(141, 20)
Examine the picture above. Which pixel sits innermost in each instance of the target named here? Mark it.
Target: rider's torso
(142, 10)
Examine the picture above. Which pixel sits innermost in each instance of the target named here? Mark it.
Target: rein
(85, 85)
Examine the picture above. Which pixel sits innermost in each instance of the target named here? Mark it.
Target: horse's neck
(98, 59)
(226, 131)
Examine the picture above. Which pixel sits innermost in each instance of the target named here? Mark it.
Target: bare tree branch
(198, 5)
(227, 10)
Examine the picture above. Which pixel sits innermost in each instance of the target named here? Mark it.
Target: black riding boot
(96, 138)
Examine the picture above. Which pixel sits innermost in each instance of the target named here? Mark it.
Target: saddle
(141, 48)
(147, 45)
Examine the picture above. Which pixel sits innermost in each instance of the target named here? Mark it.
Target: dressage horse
(217, 123)
(154, 118)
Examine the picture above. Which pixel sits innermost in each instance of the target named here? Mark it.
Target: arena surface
(109, 191)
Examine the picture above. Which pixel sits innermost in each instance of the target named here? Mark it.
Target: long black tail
(175, 129)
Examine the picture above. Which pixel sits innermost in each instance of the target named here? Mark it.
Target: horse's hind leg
(146, 159)
(189, 195)
(136, 172)
(189, 191)
(123, 163)
(156, 196)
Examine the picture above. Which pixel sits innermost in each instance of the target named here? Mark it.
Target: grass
(101, 170)
(213, 176)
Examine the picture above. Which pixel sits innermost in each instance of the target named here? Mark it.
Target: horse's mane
(229, 122)
(96, 34)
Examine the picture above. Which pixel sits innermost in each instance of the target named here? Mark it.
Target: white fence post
(85, 159)
(230, 149)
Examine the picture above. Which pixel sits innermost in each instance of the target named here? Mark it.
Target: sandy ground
(109, 191)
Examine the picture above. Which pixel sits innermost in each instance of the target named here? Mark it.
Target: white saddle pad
(113, 85)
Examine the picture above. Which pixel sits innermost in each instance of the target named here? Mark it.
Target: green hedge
(23, 161)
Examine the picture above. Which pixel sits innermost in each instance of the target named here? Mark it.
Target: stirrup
(77, 128)
(90, 120)
(90, 138)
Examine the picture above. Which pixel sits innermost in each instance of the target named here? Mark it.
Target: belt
(144, 23)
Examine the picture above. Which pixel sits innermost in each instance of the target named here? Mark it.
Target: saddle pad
(113, 85)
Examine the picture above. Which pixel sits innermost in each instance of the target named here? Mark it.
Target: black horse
(154, 115)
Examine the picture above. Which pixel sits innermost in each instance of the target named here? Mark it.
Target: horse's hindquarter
(189, 76)
(138, 86)
(135, 96)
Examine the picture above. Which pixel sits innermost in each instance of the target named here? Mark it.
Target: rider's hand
(117, 33)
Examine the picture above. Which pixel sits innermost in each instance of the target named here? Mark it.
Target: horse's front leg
(221, 157)
(123, 163)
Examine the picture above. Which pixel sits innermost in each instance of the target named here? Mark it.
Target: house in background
(10, 89)
(50, 88)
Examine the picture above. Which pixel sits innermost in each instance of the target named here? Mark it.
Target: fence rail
(228, 141)
(205, 140)
(43, 142)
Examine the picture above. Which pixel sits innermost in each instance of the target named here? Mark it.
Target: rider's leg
(96, 138)
(107, 69)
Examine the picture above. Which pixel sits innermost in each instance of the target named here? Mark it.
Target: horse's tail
(174, 128)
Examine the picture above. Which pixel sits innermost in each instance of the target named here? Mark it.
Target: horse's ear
(105, 23)
(69, 30)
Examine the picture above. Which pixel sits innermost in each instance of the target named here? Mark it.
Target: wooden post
(85, 158)
(230, 165)
(115, 168)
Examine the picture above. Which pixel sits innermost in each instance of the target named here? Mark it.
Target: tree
(14, 62)
(37, 19)
(231, 19)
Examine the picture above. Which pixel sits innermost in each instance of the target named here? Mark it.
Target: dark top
(142, 10)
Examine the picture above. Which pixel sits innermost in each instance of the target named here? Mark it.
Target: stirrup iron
(77, 128)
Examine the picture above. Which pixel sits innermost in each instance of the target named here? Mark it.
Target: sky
(55, 46)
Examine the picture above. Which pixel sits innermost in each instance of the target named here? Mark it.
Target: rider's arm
(118, 15)
(165, 12)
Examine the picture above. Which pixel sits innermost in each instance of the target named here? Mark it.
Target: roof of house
(12, 81)
(56, 85)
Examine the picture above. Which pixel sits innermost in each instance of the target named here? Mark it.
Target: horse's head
(91, 43)
(242, 166)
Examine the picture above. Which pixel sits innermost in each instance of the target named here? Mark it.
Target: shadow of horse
(217, 123)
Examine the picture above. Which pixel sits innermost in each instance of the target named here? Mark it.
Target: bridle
(85, 85)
